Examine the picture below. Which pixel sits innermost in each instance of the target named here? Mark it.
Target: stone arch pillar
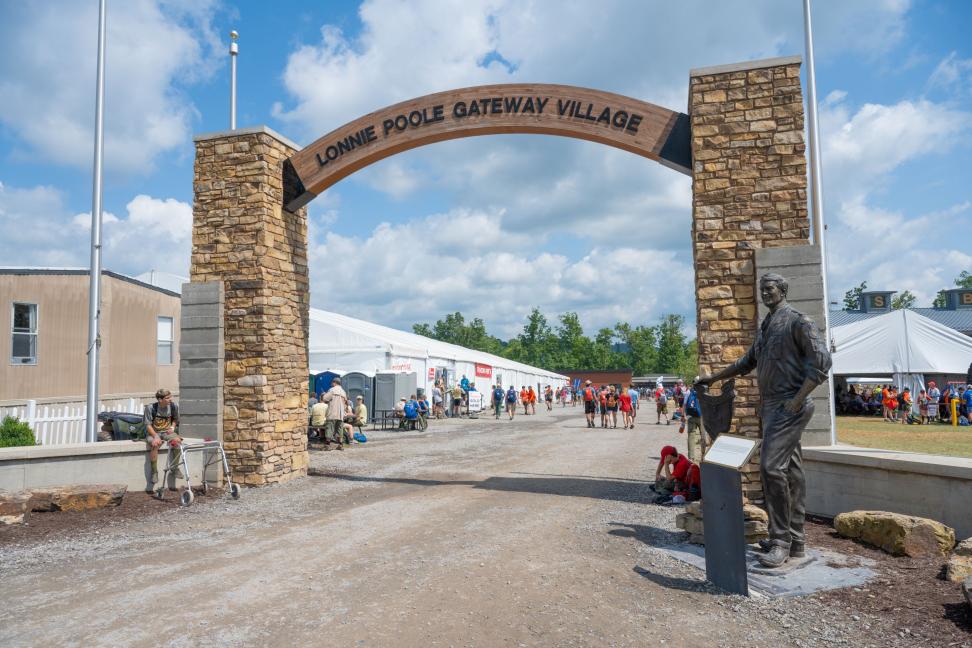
(749, 191)
(243, 236)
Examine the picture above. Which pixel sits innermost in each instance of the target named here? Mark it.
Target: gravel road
(536, 532)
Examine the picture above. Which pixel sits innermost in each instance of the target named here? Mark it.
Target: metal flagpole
(816, 194)
(234, 51)
(94, 287)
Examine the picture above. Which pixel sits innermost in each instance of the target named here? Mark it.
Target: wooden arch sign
(615, 120)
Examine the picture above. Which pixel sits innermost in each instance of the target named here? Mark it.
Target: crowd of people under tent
(929, 405)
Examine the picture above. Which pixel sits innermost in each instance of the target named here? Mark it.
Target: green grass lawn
(872, 432)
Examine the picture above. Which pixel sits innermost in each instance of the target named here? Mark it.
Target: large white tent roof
(332, 332)
(901, 341)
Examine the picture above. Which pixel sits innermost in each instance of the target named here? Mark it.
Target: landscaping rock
(77, 498)
(899, 535)
(13, 507)
(754, 525)
(751, 512)
(967, 590)
(960, 563)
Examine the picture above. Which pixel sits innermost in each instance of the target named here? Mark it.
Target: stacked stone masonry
(244, 237)
(749, 191)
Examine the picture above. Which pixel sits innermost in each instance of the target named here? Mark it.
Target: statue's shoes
(775, 557)
(797, 549)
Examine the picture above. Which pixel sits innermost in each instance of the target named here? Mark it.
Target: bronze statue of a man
(791, 358)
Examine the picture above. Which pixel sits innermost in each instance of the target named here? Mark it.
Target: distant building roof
(960, 320)
(165, 280)
(27, 271)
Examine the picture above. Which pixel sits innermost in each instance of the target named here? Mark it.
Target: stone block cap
(250, 130)
(746, 65)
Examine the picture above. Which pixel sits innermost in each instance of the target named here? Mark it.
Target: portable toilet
(390, 387)
(322, 381)
(361, 384)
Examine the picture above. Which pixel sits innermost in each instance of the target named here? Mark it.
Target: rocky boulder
(899, 535)
(960, 562)
(967, 590)
(13, 507)
(77, 498)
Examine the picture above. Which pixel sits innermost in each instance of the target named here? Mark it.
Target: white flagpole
(94, 288)
(234, 51)
(816, 194)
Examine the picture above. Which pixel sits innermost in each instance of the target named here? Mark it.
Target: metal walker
(210, 459)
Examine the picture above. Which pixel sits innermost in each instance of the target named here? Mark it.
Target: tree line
(562, 347)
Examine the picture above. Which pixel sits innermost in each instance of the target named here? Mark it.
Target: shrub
(14, 432)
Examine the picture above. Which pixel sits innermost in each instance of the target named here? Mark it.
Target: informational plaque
(725, 538)
(731, 451)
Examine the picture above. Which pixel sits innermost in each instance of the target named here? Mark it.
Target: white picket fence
(60, 422)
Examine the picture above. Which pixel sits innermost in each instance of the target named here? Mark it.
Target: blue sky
(490, 226)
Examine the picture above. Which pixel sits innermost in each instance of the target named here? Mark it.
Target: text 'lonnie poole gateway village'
(566, 107)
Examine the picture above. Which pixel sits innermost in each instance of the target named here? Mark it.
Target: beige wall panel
(128, 328)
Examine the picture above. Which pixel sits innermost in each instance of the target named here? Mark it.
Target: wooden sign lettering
(636, 126)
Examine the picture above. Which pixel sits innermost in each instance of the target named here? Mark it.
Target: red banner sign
(484, 371)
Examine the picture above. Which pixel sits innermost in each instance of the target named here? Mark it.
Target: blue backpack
(511, 396)
(497, 394)
(411, 409)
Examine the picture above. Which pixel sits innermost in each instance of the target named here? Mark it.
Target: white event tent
(343, 344)
(901, 343)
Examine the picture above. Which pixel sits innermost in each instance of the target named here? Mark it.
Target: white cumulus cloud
(48, 53)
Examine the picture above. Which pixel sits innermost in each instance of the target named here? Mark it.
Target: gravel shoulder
(536, 532)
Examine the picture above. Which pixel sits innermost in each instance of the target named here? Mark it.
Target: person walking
(437, 410)
(611, 402)
(498, 398)
(525, 399)
(589, 397)
(635, 398)
(511, 398)
(602, 405)
(693, 425)
(548, 397)
(457, 393)
(532, 395)
(625, 405)
(661, 406)
(337, 404)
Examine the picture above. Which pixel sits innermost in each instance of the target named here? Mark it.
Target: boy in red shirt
(682, 477)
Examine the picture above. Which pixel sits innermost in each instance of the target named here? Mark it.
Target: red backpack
(588, 394)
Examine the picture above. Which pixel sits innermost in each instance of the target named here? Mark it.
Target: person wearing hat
(360, 412)
(590, 402)
(337, 403)
(681, 476)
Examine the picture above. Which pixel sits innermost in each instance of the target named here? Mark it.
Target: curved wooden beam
(604, 117)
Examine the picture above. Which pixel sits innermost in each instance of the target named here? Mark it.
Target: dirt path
(479, 533)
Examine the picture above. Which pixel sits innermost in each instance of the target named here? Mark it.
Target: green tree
(453, 329)
(671, 344)
(689, 366)
(903, 300)
(852, 298)
(964, 280)
(535, 340)
(642, 341)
